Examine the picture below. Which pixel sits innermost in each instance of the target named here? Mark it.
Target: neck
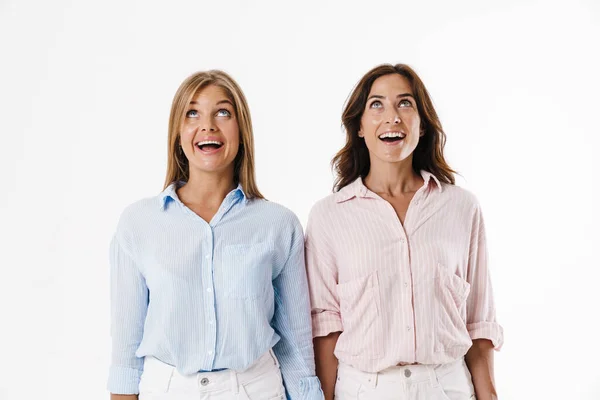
(393, 178)
(206, 189)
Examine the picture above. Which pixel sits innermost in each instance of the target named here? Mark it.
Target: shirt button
(211, 322)
(204, 381)
(210, 352)
(209, 290)
(405, 284)
(207, 256)
(408, 328)
(402, 240)
(407, 373)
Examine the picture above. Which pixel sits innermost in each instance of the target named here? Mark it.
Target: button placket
(209, 303)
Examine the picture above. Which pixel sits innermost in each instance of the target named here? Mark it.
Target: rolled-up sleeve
(481, 311)
(129, 302)
(291, 321)
(322, 276)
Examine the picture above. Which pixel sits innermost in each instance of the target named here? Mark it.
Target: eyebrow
(219, 102)
(376, 96)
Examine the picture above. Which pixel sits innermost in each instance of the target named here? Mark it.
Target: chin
(212, 168)
(393, 158)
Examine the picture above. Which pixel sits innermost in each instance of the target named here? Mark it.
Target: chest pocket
(246, 270)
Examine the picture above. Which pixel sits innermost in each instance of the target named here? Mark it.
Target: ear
(360, 132)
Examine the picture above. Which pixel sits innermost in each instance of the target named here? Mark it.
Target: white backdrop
(85, 91)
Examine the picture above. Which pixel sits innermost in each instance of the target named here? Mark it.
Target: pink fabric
(417, 293)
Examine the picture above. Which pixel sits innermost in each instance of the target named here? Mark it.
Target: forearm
(129, 304)
(297, 372)
(326, 363)
(480, 360)
(123, 396)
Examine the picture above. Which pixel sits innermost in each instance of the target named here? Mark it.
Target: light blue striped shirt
(203, 296)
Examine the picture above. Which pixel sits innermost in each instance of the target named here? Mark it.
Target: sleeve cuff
(487, 330)
(325, 322)
(124, 380)
(310, 388)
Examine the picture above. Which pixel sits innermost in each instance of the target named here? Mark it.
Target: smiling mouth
(392, 137)
(208, 145)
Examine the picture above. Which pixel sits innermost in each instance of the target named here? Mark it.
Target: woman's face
(390, 124)
(210, 135)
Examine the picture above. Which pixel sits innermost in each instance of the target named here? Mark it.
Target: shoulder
(279, 225)
(324, 206)
(460, 196)
(323, 216)
(138, 213)
(275, 214)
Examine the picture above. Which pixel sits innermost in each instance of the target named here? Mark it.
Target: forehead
(391, 84)
(210, 94)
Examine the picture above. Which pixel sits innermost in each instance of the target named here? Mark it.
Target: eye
(405, 103)
(191, 114)
(223, 113)
(376, 104)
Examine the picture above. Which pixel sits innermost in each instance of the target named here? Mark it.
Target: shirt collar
(351, 190)
(239, 193)
(170, 194)
(427, 177)
(358, 188)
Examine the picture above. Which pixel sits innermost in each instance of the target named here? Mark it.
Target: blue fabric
(205, 296)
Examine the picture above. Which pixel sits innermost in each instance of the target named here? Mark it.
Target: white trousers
(450, 381)
(261, 381)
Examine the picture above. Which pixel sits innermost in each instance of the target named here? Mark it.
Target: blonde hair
(177, 163)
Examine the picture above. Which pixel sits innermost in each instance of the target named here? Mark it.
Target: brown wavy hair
(353, 160)
(177, 164)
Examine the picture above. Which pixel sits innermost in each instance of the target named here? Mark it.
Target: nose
(207, 125)
(394, 117)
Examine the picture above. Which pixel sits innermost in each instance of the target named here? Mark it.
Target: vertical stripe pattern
(208, 296)
(417, 292)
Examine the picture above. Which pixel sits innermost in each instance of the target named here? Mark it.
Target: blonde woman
(208, 286)
(401, 293)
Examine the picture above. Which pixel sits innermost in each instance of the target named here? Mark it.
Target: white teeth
(392, 135)
(209, 142)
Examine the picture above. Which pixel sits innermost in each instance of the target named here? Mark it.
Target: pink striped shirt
(418, 293)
